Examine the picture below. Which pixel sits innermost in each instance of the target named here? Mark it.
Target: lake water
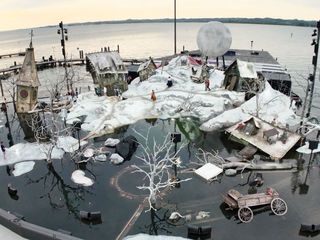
(49, 191)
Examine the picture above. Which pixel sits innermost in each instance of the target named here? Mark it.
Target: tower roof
(28, 75)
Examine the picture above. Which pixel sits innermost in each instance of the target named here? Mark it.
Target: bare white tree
(47, 127)
(48, 124)
(158, 160)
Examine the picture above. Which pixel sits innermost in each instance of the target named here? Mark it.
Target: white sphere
(214, 39)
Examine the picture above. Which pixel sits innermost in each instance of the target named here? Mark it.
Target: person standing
(207, 84)
(153, 96)
(3, 149)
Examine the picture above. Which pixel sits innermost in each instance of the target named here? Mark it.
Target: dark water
(48, 197)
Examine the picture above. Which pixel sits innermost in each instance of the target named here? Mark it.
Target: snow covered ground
(23, 152)
(7, 234)
(215, 109)
(272, 106)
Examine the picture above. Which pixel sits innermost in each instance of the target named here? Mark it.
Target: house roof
(146, 65)
(28, 75)
(254, 120)
(246, 69)
(106, 62)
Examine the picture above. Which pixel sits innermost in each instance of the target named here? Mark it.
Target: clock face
(24, 93)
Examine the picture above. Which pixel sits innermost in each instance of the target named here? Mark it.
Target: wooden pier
(44, 64)
(18, 54)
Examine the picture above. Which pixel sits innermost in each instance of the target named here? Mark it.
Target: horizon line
(307, 23)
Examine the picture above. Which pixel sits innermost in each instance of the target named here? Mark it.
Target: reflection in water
(298, 179)
(71, 196)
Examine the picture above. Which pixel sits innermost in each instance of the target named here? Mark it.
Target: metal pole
(314, 62)
(64, 54)
(304, 106)
(79, 139)
(1, 88)
(175, 27)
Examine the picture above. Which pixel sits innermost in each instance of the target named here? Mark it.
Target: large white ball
(214, 39)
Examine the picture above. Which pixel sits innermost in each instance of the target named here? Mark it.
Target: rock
(88, 153)
(104, 150)
(100, 158)
(127, 147)
(230, 172)
(116, 159)
(111, 142)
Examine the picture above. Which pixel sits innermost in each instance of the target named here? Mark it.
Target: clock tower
(27, 83)
(27, 93)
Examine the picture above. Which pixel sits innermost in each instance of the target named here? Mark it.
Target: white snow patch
(305, 149)
(28, 152)
(22, 168)
(69, 144)
(272, 105)
(78, 177)
(7, 234)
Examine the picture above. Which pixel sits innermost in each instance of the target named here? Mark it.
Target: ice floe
(22, 168)
(78, 177)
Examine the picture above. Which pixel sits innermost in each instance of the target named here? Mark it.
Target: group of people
(73, 93)
(170, 83)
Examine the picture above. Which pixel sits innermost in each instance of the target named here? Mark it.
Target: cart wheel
(245, 214)
(279, 206)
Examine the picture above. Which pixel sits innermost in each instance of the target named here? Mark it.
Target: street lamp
(175, 27)
(77, 127)
(64, 37)
(315, 43)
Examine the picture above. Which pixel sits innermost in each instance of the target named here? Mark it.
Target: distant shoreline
(265, 21)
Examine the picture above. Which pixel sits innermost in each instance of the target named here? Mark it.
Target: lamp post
(315, 43)
(64, 37)
(175, 27)
(77, 127)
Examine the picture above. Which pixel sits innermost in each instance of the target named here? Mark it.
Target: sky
(18, 14)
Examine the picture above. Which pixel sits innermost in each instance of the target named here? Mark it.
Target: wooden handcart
(244, 203)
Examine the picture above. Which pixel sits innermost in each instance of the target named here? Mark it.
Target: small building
(249, 127)
(108, 72)
(146, 69)
(199, 73)
(240, 76)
